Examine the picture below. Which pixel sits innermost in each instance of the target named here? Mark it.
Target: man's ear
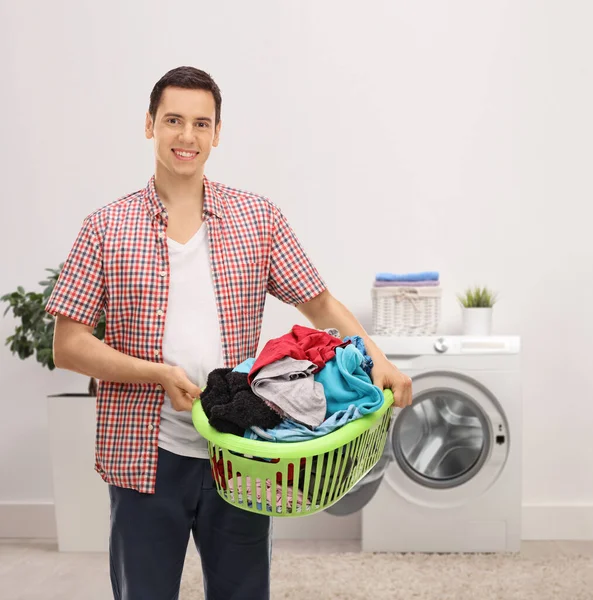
(148, 126)
(217, 134)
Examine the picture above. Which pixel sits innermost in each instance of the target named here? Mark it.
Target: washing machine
(450, 476)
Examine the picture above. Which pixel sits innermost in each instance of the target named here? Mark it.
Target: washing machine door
(356, 499)
(362, 493)
(454, 432)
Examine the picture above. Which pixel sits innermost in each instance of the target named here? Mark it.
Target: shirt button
(161, 234)
(150, 427)
(156, 352)
(159, 387)
(163, 273)
(160, 313)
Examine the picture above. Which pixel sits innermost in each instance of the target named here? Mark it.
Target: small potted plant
(477, 304)
(35, 330)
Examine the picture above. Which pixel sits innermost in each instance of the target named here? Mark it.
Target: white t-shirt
(191, 338)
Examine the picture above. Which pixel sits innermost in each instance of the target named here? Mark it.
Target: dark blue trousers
(150, 534)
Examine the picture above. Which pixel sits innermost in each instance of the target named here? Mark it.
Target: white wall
(448, 135)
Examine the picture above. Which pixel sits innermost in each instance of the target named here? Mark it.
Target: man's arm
(76, 348)
(324, 312)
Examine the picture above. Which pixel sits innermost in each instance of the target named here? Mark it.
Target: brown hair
(188, 78)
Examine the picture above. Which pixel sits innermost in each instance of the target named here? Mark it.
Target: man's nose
(187, 134)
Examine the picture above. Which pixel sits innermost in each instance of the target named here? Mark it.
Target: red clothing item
(302, 343)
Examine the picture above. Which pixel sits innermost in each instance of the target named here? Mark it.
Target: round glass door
(443, 439)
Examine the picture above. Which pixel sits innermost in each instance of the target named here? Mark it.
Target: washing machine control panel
(440, 345)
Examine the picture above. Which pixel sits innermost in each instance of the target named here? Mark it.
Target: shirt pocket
(134, 274)
(248, 278)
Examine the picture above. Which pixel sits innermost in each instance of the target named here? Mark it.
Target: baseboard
(27, 520)
(557, 522)
(540, 522)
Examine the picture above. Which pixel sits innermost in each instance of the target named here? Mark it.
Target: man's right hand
(76, 348)
(180, 389)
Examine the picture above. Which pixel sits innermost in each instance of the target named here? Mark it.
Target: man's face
(183, 130)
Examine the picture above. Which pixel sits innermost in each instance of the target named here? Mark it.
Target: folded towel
(405, 283)
(422, 276)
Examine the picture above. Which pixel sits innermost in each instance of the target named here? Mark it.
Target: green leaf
(477, 297)
(34, 330)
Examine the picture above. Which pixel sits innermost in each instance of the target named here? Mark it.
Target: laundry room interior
(433, 159)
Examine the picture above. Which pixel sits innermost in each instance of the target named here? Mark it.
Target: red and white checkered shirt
(120, 264)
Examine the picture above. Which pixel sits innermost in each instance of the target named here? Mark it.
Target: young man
(181, 269)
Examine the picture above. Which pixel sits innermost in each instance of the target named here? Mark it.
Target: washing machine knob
(441, 345)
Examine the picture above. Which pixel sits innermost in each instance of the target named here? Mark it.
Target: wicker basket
(406, 310)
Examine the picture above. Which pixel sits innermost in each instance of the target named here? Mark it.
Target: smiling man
(181, 269)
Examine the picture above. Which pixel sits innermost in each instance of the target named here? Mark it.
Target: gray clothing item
(332, 331)
(289, 384)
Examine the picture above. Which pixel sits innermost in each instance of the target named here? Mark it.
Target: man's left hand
(386, 375)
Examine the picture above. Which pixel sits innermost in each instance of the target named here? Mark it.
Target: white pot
(81, 497)
(477, 321)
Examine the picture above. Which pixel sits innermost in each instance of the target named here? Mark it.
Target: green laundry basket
(294, 479)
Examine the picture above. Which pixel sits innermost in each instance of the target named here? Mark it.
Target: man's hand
(386, 375)
(180, 389)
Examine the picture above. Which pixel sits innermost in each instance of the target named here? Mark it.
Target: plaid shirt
(120, 264)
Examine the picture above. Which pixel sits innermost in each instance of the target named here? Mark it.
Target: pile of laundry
(302, 385)
(420, 279)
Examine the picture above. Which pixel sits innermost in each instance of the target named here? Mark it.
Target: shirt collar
(213, 199)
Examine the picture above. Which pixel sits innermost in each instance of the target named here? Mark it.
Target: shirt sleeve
(293, 278)
(80, 290)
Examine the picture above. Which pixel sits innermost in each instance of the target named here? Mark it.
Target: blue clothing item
(245, 366)
(423, 276)
(345, 383)
(367, 363)
(291, 431)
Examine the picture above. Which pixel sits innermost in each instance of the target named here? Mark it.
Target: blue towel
(423, 276)
(290, 431)
(345, 383)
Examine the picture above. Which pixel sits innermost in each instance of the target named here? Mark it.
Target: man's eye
(173, 121)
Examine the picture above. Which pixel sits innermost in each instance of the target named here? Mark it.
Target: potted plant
(81, 504)
(477, 304)
(35, 331)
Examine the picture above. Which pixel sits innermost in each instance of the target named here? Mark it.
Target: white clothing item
(192, 337)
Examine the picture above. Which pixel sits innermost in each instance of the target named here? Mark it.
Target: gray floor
(35, 570)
